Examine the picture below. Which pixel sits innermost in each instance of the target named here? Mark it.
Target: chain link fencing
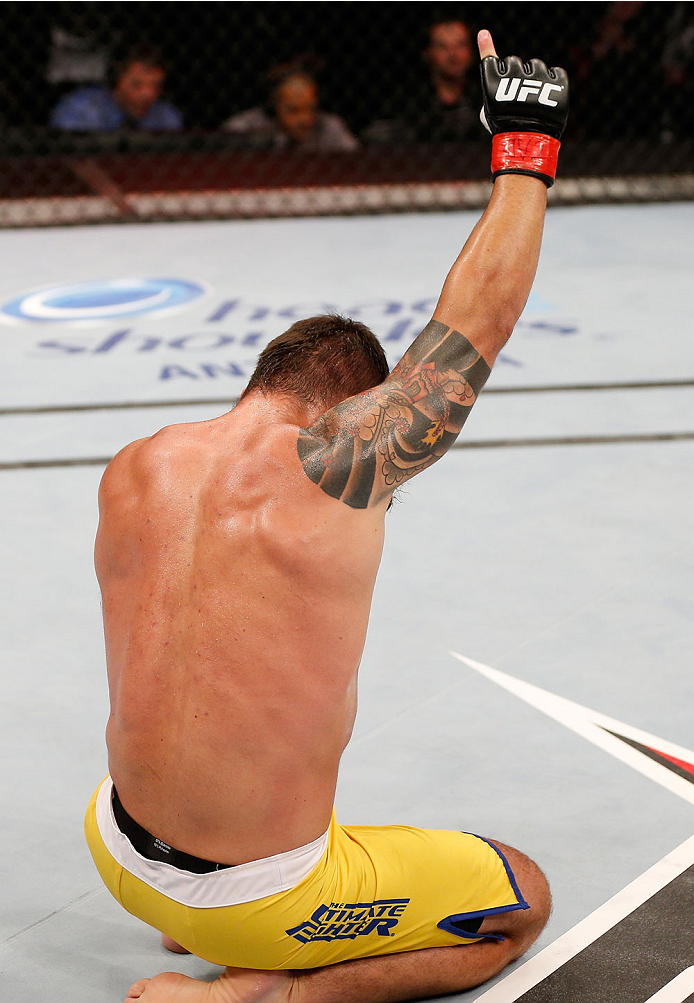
(145, 111)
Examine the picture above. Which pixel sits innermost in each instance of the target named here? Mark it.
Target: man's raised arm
(361, 450)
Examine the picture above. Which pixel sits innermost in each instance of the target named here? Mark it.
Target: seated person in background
(441, 108)
(132, 102)
(292, 117)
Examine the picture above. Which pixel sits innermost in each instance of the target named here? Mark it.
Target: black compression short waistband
(152, 848)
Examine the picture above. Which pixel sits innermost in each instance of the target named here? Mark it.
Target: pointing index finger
(485, 44)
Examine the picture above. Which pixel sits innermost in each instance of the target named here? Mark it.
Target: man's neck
(278, 408)
(449, 90)
(128, 111)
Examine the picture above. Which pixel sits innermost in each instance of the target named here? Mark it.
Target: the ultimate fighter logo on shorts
(347, 920)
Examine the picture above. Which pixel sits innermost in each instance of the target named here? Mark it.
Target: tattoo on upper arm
(363, 448)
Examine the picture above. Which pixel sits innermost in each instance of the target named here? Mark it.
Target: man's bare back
(236, 596)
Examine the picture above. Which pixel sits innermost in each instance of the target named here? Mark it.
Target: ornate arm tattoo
(363, 448)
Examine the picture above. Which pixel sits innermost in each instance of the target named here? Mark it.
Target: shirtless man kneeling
(237, 559)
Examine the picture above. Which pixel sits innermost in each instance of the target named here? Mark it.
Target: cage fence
(149, 111)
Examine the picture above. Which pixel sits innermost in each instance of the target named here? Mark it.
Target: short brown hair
(321, 360)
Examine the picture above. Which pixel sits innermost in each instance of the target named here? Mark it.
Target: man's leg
(440, 970)
(391, 978)
(171, 945)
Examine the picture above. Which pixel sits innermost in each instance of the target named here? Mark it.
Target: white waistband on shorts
(231, 886)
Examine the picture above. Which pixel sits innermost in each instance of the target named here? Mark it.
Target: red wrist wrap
(525, 152)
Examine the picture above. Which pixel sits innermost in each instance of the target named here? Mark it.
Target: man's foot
(171, 945)
(235, 985)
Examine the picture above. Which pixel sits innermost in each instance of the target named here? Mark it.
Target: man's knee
(522, 926)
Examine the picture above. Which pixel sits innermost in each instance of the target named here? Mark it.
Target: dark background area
(368, 54)
(632, 97)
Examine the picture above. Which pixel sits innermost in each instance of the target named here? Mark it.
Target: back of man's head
(321, 360)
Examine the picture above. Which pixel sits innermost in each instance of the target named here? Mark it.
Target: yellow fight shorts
(356, 892)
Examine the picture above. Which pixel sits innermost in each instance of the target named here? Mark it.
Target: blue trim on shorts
(448, 921)
(522, 904)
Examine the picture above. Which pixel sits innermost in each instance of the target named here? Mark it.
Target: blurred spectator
(678, 68)
(292, 117)
(440, 108)
(132, 102)
(450, 55)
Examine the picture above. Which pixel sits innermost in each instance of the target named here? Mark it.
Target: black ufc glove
(525, 108)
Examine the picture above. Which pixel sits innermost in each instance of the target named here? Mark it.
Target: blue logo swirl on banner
(103, 300)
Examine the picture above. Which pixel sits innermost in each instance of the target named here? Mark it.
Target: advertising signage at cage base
(103, 300)
(116, 318)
